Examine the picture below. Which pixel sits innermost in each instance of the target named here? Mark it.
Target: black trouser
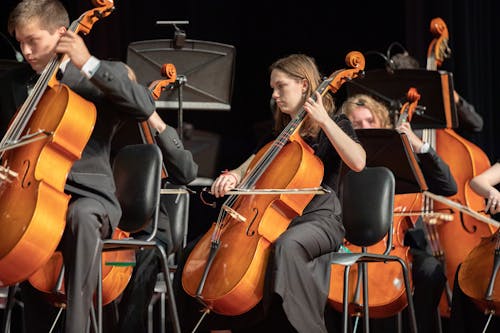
(87, 224)
(133, 306)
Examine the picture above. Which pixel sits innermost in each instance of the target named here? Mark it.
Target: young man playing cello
(41, 28)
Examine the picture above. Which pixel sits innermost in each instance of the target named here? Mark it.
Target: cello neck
(290, 130)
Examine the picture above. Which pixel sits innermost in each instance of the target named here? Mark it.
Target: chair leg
(151, 306)
(439, 321)
(399, 322)
(345, 302)
(9, 306)
(170, 290)
(409, 297)
(366, 305)
(99, 298)
(162, 313)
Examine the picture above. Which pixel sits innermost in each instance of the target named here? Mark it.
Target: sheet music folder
(434, 87)
(389, 148)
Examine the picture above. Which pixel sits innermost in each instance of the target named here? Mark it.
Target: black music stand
(205, 73)
(208, 69)
(389, 148)
(434, 87)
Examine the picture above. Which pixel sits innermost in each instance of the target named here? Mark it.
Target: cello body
(476, 271)
(465, 160)
(37, 195)
(244, 246)
(117, 269)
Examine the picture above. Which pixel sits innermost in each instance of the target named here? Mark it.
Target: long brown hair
(300, 66)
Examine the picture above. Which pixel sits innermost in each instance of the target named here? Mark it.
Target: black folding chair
(373, 189)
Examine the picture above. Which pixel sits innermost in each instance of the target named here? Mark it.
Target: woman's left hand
(315, 109)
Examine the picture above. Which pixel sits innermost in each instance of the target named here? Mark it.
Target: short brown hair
(51, 13)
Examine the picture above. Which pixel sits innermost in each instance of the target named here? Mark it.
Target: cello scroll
(439, 49)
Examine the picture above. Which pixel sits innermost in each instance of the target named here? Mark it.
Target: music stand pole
(181, 80)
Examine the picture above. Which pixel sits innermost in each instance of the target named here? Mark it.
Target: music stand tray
(434, 87)
(207, 66)
(391, 149)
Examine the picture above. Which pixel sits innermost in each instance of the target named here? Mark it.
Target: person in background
(427, 271)
(469, 121)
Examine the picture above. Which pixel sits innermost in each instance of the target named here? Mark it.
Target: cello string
(283, 138)
(261, 166)
(256, 172)
(29, 106)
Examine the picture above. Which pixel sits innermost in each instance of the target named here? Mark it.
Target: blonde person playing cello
(427, 271)
(297, 276)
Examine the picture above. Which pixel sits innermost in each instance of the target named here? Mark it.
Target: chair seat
(348, 259)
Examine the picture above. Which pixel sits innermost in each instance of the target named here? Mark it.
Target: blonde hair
(377, 109)
(50, 13)
(300, 66)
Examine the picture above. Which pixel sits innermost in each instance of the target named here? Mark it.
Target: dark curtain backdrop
(265, 31)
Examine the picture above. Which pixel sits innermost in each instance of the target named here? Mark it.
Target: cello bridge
(234, 214)
(6, 174)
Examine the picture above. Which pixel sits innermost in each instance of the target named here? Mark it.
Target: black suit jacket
(116, 98)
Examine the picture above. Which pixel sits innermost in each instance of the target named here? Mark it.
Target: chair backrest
(137, 174)
(367, 199)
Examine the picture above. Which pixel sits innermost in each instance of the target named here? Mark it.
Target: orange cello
(117, 269)
(117, 266)
(385, 280)
(225, 270)
(479, 277)
(465, 160)
(47, 134)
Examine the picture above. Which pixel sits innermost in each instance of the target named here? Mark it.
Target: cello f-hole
(462, 222)
(25, 183)
(248, 233)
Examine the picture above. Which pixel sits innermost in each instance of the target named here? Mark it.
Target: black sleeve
(437, 174)
(181, 168)
(468, 118)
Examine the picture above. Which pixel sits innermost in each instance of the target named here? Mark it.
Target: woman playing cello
(296, 278)
(41, 28)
